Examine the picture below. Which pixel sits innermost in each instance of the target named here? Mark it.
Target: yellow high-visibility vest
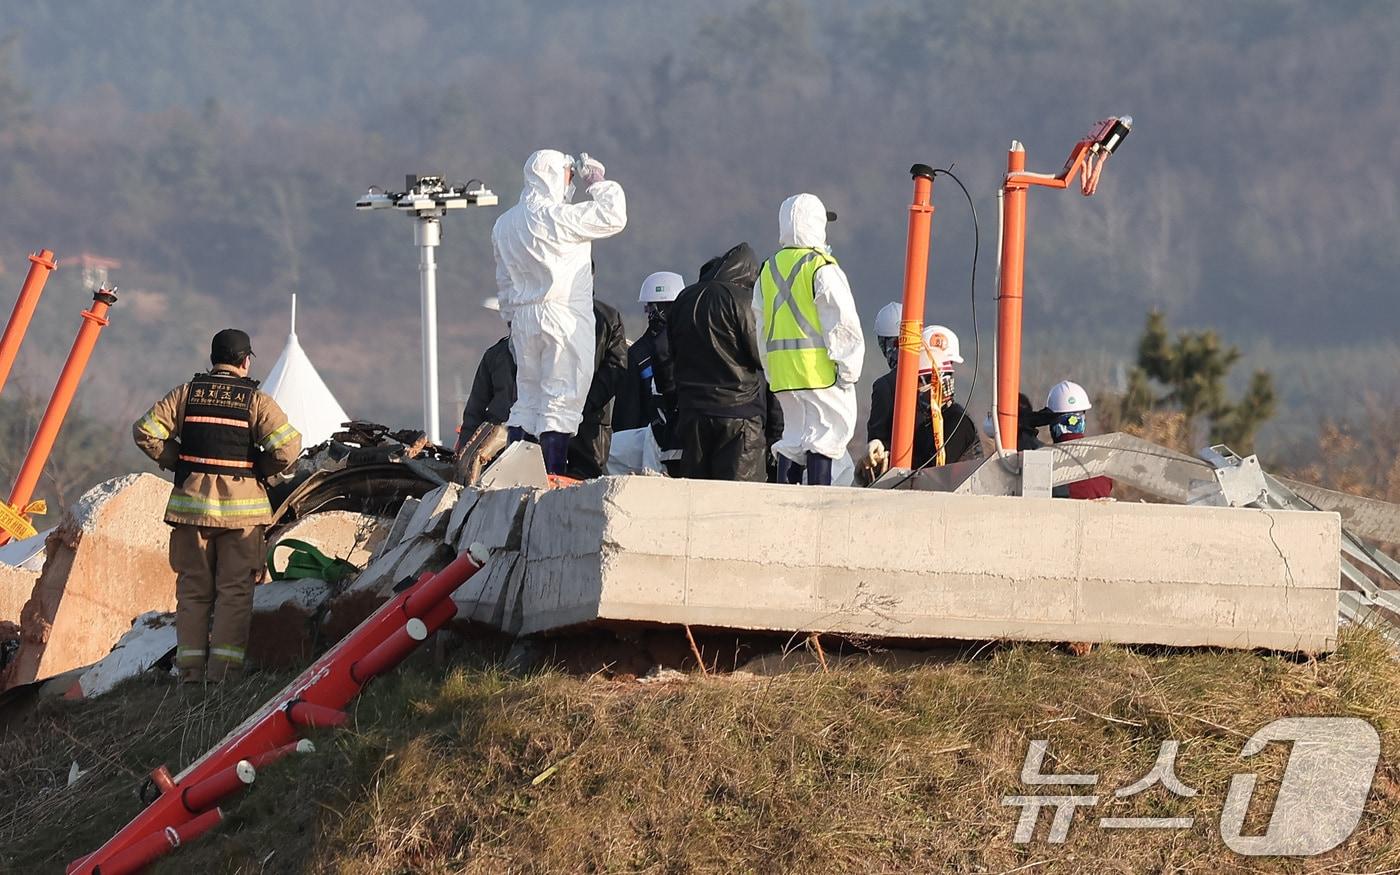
(792, 329)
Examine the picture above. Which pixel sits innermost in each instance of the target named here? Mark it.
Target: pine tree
(1192, 369)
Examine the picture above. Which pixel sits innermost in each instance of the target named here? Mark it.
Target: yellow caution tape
(15, 522)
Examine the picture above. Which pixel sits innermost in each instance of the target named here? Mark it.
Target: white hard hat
(887, 320)
(1068, 396)
(492, 303)
(931, 353)
(942, 337)
(661, 287)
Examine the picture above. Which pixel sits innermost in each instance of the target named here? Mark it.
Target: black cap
(230, 347)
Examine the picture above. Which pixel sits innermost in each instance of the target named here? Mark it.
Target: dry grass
(857, 769)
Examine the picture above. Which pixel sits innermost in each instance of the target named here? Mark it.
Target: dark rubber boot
(555, 446)
(514, 434)
(788, 470)
(818, 470)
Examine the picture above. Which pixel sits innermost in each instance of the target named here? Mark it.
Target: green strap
(306, 561)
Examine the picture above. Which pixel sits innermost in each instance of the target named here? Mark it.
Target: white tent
(294, 384)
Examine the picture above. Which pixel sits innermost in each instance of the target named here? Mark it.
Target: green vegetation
(1193, 368)
(866, 768)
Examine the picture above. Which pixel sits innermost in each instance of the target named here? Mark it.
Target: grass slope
(861, 769)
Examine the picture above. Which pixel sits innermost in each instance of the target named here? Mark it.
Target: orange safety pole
(911, 324)
(1009, 299)
(41, 264)
(94, 320)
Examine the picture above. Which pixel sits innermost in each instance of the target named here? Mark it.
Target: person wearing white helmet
(1069, 404)
(544, 276)
(493, 387)
(887, 331)
(647, 398)
(940, 354)
(810, 343)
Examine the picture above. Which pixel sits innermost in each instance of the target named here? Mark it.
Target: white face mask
(569, 193)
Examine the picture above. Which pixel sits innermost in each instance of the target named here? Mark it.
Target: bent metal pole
(41, 264)
(1009, 299)
(94, 320)
(911, 324)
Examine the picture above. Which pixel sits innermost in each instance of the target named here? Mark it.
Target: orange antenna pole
(41, 264)
(911, 325)
(1009, 299)
(1089, 155)
(94, 320)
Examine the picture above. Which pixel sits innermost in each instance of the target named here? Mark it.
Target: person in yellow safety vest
(222, 438)
(810, 341)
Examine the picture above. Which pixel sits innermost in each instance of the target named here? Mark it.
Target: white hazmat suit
(544, 277)
(818, 421)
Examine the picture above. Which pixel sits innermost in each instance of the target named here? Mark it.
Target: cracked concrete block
(340, 534)
(484, 598)
(409, 559)
(497, 520)
(466, 501)
(108, 562)
(426, 554)
(396, 531)
(433, 512)
(928, 565)
(149, 640)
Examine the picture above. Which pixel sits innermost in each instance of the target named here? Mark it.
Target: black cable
(976, 333)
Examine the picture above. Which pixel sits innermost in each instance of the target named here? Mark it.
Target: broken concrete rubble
(396, 531)
(433, 512)
(498, 520)
(151, 639)
(107, 562)
(340, 534)
(466, 502)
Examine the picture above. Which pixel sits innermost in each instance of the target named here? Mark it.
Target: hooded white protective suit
(819, 420)
(544, 277)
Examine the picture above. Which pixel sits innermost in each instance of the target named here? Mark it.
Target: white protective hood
(301, 393)
(543, 244)
(802, 222)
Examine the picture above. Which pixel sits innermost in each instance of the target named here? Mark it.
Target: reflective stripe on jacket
(793, 338)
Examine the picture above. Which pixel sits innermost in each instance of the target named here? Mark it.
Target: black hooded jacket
(714, 342)
(493, 390)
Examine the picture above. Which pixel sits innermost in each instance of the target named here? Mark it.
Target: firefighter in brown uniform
(222, 437)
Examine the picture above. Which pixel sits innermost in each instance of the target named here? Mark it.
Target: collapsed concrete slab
(925, 565)
(108, 561)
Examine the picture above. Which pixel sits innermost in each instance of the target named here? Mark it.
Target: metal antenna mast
(427, 199)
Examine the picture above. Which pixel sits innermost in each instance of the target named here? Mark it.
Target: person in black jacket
(647, 398)
(960, 439)
(493, 388)
(588, 449)
(721, 394)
